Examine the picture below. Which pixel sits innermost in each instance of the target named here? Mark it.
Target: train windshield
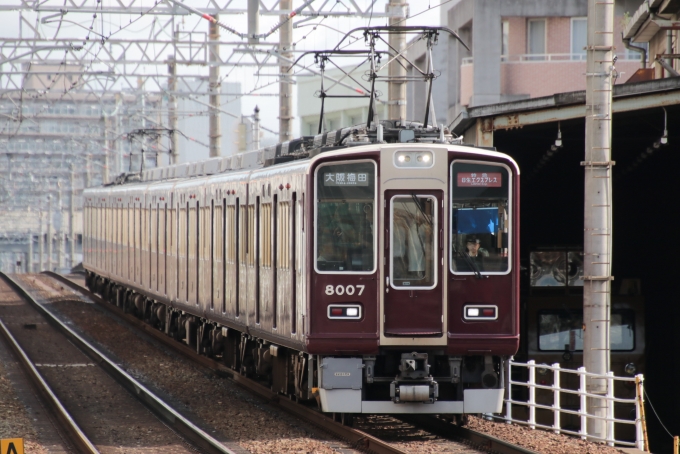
(563, 330)
(345, 215)
(480, 222)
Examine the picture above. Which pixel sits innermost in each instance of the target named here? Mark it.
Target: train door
(413, 300)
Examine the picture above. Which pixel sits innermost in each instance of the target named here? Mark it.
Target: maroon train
(373, 275)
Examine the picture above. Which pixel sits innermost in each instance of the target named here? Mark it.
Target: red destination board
(481, 179)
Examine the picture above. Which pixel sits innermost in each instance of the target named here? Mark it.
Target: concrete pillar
(396, 89)
(214, 90)
(41, 243)
(597, 229)
(172, 110)
(253, 21)
(486, 44)
(71, 219)
(49, 232)
(60, 233)
(285, 87)
(29, 256)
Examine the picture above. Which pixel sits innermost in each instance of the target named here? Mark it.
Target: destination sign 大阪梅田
(346, 179)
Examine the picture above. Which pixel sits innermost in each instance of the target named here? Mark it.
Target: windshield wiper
(471, 263)
(417, 202)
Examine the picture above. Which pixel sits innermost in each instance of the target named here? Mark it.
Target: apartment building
(518, 49)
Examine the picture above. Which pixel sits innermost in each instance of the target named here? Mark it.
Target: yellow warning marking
(12, 446)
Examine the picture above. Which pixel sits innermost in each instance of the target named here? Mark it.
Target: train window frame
(623, 312)
(509, 222)
(375, 216)
(435, 242)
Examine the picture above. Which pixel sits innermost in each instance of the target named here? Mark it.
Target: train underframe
(394, 381)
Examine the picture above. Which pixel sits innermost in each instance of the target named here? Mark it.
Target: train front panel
(413, 296)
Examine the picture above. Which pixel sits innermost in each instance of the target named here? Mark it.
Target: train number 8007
(344, 290)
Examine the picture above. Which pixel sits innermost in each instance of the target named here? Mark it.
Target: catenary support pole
(396, 90)
(253, 21)
(172, 104)
(72, 218)
(41, 244)
(285, 84)
(49, 233)
(597, 238)
(214, 89)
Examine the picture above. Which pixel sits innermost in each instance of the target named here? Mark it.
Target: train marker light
(344, 311)
(480, 312)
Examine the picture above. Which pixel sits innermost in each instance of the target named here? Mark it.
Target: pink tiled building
(520, 49)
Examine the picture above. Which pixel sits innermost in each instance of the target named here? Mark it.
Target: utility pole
(41, 243)
(49, 232)
(253, 21)
(71, 218)
(214, 90)
(396, 89)
(256, 128)
(285, 84)
(172, 101)
(29, 259)
(597, 237)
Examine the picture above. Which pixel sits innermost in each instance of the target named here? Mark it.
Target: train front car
(413, 278)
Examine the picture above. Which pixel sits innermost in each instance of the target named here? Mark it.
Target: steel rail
(447, 430)
(69, 426)
(162, 410)
(355, 437)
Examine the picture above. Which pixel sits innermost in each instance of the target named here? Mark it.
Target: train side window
(283, 233)
(344, 217)
(266, 235)
(563, 330)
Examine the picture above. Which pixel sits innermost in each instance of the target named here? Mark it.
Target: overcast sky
(306, 37)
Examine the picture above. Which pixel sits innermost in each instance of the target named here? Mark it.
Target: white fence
(578, 397)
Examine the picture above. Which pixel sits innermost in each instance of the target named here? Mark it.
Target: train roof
(387, 131)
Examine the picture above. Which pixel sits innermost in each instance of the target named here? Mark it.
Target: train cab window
(562, 330)
(480, 218)
(345, 217)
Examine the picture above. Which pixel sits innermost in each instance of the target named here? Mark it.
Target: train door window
(198, 251)
(164, 245)
(480, 218)
(255, 254)
(561, 330)
(293, 274)
(222, 246)
(345, 217)
(211, 250)
(274, 247)
(239, 213)
(413, 241)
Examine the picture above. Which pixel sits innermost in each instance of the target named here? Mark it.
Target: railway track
(95, 414)
(370, 439)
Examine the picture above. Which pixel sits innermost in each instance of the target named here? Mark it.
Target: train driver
(475, 252)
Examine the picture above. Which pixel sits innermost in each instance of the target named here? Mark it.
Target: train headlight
(630, 369)
(542, 369)
(413, 159)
